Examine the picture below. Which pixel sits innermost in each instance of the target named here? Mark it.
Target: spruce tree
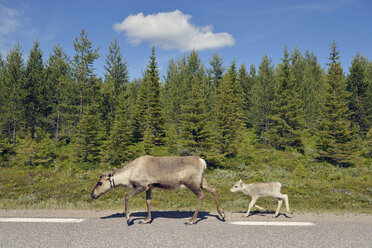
(358, 85)
(229, 111)
(62, 96)
(90, 136)
(216, 71)
(173, 91)
(116, 80)
(246, 80)
(335, 144)
(155, 113)
(262, 96)
(286, 121)
(34, 78)
(4, 145)
(13, 108)
(83, 69)
(311, 90)
(194, 118)
(115, 149)
(148, 122)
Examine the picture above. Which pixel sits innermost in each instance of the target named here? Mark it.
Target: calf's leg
(251, 204)
(287, 203)
(280, 201)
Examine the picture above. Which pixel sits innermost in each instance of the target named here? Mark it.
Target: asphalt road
(109, 229)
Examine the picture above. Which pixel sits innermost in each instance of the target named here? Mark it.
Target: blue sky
(243, 30)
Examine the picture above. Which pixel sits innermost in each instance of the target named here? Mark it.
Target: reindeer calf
(256, 190)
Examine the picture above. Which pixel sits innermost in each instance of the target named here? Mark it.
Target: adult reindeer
(169, 173)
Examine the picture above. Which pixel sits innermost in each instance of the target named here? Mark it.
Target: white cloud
(172, 30)
(13, 25)
(9, 20)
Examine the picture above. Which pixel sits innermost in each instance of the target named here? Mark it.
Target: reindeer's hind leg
(287, 204)
(200, 194)
(210, 188)
(148, 203)
(280, 201)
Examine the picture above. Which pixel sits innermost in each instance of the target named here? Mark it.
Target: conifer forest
(55, 111)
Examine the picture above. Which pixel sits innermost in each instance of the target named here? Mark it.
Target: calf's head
(238, 186)
(103, 185)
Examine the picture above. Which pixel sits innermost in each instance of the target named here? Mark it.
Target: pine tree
(286, 121)
(33, 101)
(262, 96)
(229, 111)
(335, 144)
(358, 85)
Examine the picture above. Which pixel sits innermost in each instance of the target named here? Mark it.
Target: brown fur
(170, 173)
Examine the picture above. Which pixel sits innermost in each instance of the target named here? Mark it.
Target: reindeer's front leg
(129, 195)
(253, 202)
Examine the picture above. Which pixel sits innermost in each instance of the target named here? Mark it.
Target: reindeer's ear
(241, 182)
(105, 175)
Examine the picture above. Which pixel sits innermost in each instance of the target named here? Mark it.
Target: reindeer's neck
(121, 178)
(246, 189)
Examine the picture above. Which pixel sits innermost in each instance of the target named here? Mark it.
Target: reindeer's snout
(93, 196)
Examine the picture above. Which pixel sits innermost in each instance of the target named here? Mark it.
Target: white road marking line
(42, 220)
(271, 223)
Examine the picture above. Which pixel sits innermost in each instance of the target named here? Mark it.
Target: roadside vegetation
(298, 123)
(311, 186)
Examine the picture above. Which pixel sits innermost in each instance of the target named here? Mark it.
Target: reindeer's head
(238, 186)
(104, 184)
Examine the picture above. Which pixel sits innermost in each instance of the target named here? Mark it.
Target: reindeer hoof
(191, 222)
(222, 215)
(145, 221)
(129, 221)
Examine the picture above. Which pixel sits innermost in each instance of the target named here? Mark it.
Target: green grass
(311, 186)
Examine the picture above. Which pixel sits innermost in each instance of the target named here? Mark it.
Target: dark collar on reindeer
(112, 181)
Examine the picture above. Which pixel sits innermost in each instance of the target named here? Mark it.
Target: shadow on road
(264, 213)
(163, 214)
